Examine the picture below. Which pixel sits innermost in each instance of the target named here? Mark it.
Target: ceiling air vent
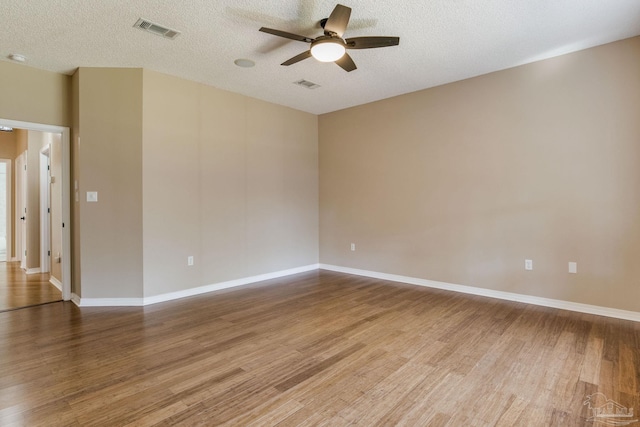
(157, 29)
(307, 84)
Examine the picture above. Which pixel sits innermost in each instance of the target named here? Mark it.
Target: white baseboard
(55, 282)
(137, 302)
(75, 299)
(109, 302)
(509, 296)
(33, 270)
(225, 285)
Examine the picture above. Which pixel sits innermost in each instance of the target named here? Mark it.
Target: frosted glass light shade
(327, 51)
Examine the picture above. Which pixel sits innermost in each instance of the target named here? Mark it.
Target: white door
(21, 209)
(45, 211)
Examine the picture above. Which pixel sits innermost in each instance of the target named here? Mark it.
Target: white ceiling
(440, 41)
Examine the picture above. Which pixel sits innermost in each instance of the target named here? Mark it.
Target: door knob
(22, 218)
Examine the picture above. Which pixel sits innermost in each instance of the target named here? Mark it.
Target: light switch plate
(92, 196)
(573, 267)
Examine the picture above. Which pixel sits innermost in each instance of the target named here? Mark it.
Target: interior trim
(139, 302)
(509, 296)
(55, 282)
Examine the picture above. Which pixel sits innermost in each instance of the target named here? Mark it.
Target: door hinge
(48, 253)
(48, 210)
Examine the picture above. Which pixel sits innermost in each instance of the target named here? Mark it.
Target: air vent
(157, 29)
(307, 84)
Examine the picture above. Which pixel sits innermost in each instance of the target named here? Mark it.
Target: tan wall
(8, 143)
(33, 95)
(22, 141)
(230, 180)
(76, 253)
(108, 160)
(463, 182)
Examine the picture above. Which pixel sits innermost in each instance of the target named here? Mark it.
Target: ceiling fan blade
(371, 42)
(346, 63)
(338, 20)
(297, 58)
(286, 35)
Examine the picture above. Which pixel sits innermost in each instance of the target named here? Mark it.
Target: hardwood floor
(319, 348)
(18, 289)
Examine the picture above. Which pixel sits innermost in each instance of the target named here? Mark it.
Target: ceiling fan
(331, 47)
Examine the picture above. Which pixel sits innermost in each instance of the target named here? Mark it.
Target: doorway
(41, 260)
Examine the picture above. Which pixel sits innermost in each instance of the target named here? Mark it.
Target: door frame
(66, 196)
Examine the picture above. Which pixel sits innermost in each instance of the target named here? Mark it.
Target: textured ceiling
(440, 41)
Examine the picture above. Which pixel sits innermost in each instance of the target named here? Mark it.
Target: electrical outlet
(190, 260)
(528, 264)
(573, 267)
(353, 246)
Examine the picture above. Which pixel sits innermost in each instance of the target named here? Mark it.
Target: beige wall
(274, 170)
(76, 253)
(8, 143)
(22, 141)
(230, 180)
(463, 182)
(108, 159)
(33, 95)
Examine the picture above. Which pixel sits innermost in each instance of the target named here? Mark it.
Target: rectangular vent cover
(157, 29)
(307, 84)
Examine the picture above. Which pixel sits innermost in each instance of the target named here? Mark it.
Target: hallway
(17, 289)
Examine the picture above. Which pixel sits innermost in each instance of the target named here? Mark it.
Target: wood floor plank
(318, 348)
(19, 289)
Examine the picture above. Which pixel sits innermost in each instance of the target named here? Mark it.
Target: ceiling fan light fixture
(328, 50)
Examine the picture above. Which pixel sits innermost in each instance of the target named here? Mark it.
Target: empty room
(310, 213)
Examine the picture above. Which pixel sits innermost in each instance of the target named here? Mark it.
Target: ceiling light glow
(328, 50)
